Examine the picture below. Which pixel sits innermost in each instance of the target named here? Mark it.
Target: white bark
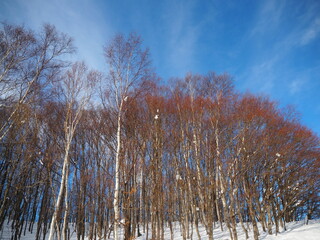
(77, 85)
(117, 178)
(65, 220)
(128, 66)
(62, 185)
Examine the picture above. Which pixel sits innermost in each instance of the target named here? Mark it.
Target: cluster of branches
(147, 157)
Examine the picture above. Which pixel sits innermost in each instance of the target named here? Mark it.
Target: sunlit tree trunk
(77, 85)
(117, 178)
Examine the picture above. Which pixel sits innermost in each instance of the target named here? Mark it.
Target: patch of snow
(178, 177)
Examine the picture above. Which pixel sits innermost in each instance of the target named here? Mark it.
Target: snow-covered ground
(295, 231)
(298, 230)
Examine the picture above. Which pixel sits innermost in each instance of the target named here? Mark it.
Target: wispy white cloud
(260, 73)
(268, 17)
(296, 86)
(182, 35)
(276, 45)
(311, 32)
(261, 76)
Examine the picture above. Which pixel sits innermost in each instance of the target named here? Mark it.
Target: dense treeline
(143, 156)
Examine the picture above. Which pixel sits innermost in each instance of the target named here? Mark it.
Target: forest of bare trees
(98, 152)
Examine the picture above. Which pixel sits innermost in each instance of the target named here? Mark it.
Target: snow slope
(298, 231)
(295, 231)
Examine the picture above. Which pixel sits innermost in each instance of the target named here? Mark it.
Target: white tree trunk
(65, 220)
(62, 186)
(117, 179)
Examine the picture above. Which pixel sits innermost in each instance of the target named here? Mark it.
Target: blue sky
(270, 47)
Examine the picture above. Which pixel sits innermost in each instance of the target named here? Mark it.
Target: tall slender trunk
(241, 218)
(269, 208)
(251, 210)
(221, 182)
(141, 206)
(206, 218)
(62, 187)
(117, 179)
(65, 219)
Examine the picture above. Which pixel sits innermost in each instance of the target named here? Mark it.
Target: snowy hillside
(298, 230)
(295, 231)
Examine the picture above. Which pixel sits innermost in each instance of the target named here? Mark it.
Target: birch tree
(128, 66)
(28, 62)
(76, 87)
